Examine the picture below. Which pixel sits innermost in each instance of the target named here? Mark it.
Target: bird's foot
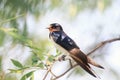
(62, 58)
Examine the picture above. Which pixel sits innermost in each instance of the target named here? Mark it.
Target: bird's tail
(91, 61)
(84, 66)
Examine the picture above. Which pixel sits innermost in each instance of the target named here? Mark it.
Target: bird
(67, 45)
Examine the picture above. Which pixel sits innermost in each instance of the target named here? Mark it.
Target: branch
(65, 72)
(46, 73)
(73, 66)
(49, 70)
(13, 18)
(102, 44)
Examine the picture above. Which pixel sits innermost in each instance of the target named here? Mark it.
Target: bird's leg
(62, 58)
(70, 63)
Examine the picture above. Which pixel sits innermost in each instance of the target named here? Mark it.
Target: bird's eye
(53, 27)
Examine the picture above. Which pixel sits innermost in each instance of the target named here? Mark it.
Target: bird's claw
(62, 58)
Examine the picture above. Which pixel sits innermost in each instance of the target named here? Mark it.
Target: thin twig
(49, 70)
(102, 44)
(66, 71)
(53, 73)
(46, 73)
(13, 18)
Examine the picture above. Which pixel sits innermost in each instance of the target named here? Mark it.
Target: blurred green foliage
(15, 12)
(16, 63)
(28, 75)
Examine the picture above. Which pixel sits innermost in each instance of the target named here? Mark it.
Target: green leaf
(58, 52)
(32, 77)
(51, 58)
(15, 71)
(29, 74)
(23, 78)
(17, 63)
(41, 65)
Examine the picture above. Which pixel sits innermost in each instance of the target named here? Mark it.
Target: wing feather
(84, 66)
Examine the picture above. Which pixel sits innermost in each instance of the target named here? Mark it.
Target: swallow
(68, 45)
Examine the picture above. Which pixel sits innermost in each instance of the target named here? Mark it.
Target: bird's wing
(77, 55)
(68, 44)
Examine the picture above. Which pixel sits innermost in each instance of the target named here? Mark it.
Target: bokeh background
(23, 36)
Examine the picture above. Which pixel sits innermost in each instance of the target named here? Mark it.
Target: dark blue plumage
(63, 40)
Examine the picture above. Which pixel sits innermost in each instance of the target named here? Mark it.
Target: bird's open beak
(49, 28)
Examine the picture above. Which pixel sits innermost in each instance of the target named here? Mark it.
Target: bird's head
(55, 27)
